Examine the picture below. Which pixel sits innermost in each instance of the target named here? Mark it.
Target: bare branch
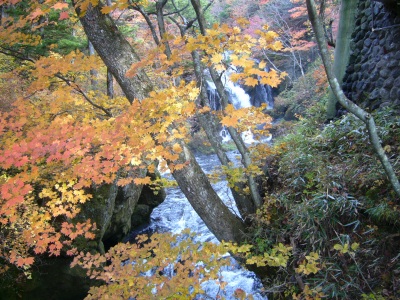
(84, 95)
(16, 54)
(148, 21)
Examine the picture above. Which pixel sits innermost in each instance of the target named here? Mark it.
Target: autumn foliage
(59, 137)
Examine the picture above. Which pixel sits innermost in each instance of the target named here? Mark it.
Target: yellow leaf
(250, 81)
(355, 246)
(135, 161)
(217, 58)
(262, 65)
(311, 268)
(283, 75)
(229, 121)
(236, 30)
(338, 247)
(177, 148)
(204, 109)
(244, 248)
(276, 46)
(272, 81)
(387, 148)
(236, 76)
(220, 67)
(243, 21)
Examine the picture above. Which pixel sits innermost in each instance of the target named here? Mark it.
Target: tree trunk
(93, 72)
(208, 122)
(161, 26)
(349, 105)
(118, 56)
(116, 53)
(205, 201)
(110, 84)
(342, 50)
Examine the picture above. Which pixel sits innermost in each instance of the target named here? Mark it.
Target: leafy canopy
(60, 138)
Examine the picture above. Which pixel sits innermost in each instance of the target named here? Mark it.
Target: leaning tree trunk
(209, 122)
(342, 49)
(205, 201)
(118, 56)
(349, 105)
(116, 53)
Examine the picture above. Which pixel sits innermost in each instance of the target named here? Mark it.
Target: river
(176, 214)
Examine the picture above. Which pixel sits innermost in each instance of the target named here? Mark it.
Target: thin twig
(86, 97)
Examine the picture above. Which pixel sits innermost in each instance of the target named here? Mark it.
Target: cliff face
(118, 210)
(372, 78)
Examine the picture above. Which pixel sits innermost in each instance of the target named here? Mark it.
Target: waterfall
(239, 98)
(237, 95)
(262, 93)
(213, 96)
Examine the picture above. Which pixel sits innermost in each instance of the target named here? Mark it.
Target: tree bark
(116, 53)
(118, 56)
(349, 105)
(205, 201)
(342, 50)
(93, 72)
(110, 84)
(161, 26)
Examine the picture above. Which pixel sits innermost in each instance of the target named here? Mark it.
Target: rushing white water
(176, 214)
(239, 99)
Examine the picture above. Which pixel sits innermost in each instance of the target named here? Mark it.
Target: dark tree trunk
(205, 201)
(110, 84)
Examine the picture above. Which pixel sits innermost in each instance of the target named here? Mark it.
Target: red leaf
(64, 15)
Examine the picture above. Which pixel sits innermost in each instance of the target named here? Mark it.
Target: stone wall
(372, 78)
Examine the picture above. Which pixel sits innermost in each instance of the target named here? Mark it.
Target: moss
(99, 210)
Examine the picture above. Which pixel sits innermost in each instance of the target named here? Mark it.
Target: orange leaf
(37, 13)
(145, 180)
(107, 9)
(124, 181)
(60, 5)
